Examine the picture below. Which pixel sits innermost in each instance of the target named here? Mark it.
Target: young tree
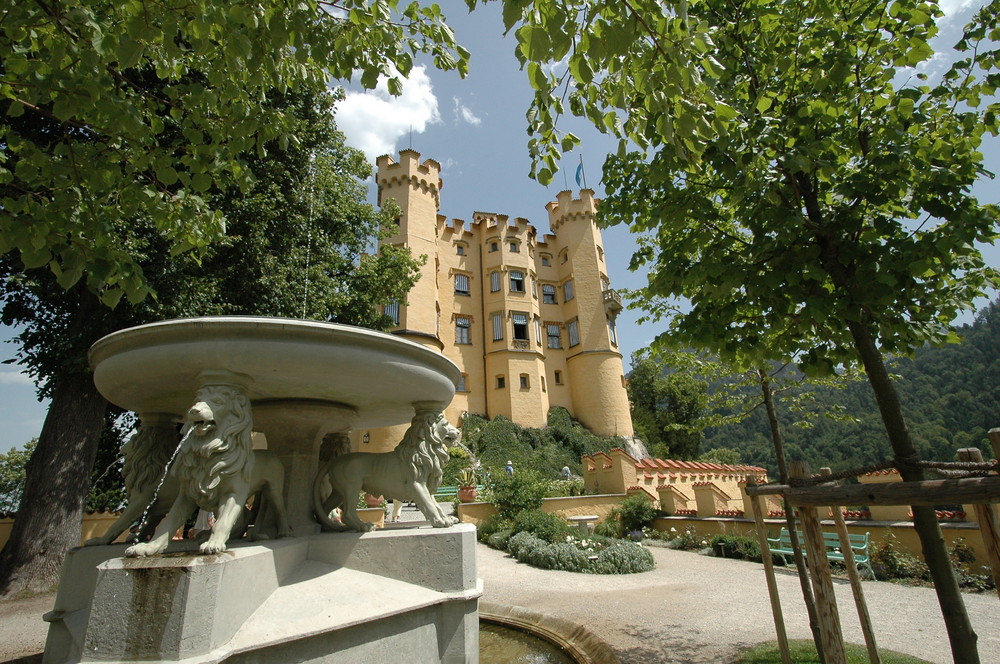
(798, 178)
(295, 246)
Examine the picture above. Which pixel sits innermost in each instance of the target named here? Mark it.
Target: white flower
(673, 530)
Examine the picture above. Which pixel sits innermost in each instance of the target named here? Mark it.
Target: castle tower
(415, 188)
(590, 308)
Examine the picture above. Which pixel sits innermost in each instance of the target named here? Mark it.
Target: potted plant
(374, 501)
(467, 485)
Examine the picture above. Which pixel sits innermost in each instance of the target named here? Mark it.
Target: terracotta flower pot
(467, 494)
(373, 501)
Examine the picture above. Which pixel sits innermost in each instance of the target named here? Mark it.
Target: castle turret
(590, 308)
(415, 188)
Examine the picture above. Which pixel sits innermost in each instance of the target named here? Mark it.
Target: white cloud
(374, 120)
(15, 377)
(465, 113)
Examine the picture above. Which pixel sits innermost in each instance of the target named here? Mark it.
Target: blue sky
(476, 129)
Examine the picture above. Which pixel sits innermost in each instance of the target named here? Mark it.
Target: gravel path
(690, 609)
(694, 609)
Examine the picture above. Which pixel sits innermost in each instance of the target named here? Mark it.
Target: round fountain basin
(159, 366)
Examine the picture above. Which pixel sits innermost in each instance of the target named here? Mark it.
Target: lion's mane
(147, 454)
(423, 450)
(228, 447)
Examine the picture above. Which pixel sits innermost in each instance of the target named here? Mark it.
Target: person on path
(509, 468)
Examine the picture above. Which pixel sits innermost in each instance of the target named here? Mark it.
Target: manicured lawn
(804, 652)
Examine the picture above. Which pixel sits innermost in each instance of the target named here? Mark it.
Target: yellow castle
(529, 318)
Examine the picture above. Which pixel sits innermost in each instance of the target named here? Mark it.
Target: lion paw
(444, 522)
(212, 547)
(142, 550)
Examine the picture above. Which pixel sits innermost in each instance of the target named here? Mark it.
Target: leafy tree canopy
(112, 153)
(788, 182)
(666, 407)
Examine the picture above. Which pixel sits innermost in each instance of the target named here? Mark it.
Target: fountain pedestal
(402, 595)
(388, 596)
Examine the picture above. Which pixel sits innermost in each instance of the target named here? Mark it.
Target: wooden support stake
(994, 435)
(852, 574)
(819, 568)
(772, 585)
(987, 517)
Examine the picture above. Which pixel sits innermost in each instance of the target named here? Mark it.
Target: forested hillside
(950, 395)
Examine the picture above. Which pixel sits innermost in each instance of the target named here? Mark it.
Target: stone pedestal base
(389, 596)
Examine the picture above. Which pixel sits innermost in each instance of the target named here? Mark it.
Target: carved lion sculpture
(217, 470)
(147, 454)
(411, 472)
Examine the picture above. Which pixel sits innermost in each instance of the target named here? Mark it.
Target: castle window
(516, 281)
(463, 383)
(392, 311)
(568, 291)
(462, 326)
(494, 245)
(558, 376)
(525, 382)
(534, 288)
(554, 335)
(549, 294)
(600, 253)
(501, 382)
(546, 260)
(497, 326)
(543, 383)
(459, 248)
(520, 326)
(612, 332)
(494, 282)
(574, 332)
(461, 284)
(563, 256)
(538, 331)
(605, 282)
(515, 247)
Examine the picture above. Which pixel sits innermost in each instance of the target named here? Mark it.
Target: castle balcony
(612, 302)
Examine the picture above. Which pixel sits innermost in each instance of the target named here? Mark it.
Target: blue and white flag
(579, 174)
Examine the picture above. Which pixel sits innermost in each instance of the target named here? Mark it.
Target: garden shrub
(499, 539)
(610, 527)
(492, 524)
(558, 556)
(520, 543)
(890, 563)
(623, 558)
(635, 512)
(970, 575)
(738, 547)
(685, 541)
(548, 527)
(512, 494)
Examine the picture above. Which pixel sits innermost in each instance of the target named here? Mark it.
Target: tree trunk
(800, 563)
(49, 520)
(960, 633)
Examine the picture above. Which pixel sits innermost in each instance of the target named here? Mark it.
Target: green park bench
(782, 546)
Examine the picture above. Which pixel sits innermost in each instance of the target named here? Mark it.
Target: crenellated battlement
(409, 171)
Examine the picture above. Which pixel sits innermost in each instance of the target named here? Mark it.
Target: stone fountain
(317, 596)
